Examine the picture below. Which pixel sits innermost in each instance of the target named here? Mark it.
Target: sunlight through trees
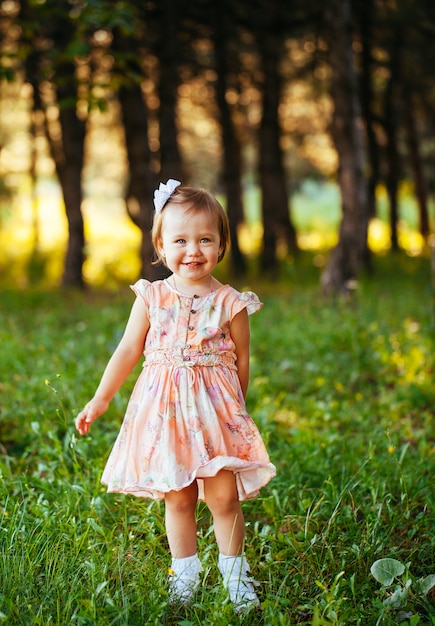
(100, 101)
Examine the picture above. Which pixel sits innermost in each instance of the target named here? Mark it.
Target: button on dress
(186, 419)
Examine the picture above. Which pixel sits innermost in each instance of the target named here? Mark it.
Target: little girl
(186, 433)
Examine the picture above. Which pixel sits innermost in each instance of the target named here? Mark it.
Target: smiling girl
(186, 434)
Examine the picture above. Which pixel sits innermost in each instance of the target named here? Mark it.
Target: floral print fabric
(186, 419)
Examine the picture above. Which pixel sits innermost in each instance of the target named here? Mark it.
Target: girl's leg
(181, 532)
(221, 496)
(222, 499)
(180, 521)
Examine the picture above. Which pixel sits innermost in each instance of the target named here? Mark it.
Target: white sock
(235, 572)
(179, 565)
(184, 578)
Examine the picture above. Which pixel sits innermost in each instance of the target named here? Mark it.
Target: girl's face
(190, 243)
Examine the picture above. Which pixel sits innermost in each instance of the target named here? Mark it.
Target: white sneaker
(235, 572)
(184, 579)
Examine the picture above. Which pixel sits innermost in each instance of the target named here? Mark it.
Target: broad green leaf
(386, 570)
(398, 599)
(426, 584)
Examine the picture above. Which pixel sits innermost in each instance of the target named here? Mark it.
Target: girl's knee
(221, 494)
(183, 501)
(223, 504)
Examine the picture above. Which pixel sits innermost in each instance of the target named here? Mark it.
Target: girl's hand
(92, 410)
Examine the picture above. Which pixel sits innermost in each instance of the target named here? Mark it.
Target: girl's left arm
(241, 334)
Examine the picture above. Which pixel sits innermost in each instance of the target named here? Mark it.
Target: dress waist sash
(189, 357)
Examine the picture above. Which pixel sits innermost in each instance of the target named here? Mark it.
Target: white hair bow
(163, 193)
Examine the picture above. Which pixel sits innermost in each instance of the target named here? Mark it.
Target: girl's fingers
(83, 422)
(89, 414)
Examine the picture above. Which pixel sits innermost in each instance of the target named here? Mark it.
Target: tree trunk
(275, 201)
(365, 21)
(70, 176)
(66, 147)
(141, 179)
(232, 174)
(168, 55)
(139, 196)
(67, 152)
(392, 97)
(416, 162)
(347, 259)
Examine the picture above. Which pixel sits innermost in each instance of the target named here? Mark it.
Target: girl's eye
(180, 241)
(205, 240)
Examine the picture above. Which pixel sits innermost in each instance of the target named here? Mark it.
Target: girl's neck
(192, 290)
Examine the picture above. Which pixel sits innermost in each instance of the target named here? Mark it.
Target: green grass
(343, 393)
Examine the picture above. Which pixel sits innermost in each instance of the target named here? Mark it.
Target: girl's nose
(193, 248)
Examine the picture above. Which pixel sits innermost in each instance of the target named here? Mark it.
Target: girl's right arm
(120, 365)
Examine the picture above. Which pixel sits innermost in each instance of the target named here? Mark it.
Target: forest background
(313, 124)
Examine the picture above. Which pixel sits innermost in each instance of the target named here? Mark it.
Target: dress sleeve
(140, 288)
(246, 300)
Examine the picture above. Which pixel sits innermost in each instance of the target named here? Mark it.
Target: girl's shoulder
(148, 290)
(239, 300)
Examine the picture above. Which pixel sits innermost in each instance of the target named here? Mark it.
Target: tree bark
(275, 202)
(66, 147)
(169, 57)
(134, 113)
(70, 178)
(139, 195)
(392, 97)
(232, 169)
(348, 257)
(69, 165)
(416, 162)
(67, 151)
(365, 20)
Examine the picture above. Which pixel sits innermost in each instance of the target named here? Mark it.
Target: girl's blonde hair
(196, 200)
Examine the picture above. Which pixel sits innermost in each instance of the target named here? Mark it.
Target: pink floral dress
(186, 419)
